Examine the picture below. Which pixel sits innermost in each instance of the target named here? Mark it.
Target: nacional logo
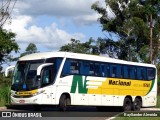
(80, 82)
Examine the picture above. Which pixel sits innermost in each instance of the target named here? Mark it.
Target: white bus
(64, 79)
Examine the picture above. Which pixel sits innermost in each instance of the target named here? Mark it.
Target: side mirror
(41, 67)
(10, 68)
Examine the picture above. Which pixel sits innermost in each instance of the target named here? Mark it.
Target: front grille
(26, 96)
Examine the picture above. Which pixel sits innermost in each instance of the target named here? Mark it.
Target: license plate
(21, 101)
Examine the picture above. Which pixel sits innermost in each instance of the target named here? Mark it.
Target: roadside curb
(3, 108)
(111, 118)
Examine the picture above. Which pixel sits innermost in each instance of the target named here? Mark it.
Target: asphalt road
(72, 113)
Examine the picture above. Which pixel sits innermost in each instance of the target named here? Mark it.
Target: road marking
(111, 118)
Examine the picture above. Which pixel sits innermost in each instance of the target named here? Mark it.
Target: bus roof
(45, 55)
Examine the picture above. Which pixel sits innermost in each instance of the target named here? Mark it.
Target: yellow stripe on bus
(114, 86)
(24, 93)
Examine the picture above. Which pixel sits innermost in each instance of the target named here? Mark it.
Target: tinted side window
(86, 68)
(144, 74)
(113, 70)
(66, 68)
(103, 70)
(150, 73)
(47, 77)
(122, 71)
(139, 74)
(97, 69)
(108, 70)
(132, 72)
(91, 69)
(126, 72)
(56, 61)
(74, 67)
(119, 72)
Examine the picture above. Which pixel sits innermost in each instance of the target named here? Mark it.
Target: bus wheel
(63, 103)
(127, 104)
(137, 104)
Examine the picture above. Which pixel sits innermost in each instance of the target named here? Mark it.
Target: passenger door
(46, 84)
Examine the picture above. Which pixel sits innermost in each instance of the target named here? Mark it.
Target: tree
(7, 45)
(77, 47)
(131, 24)
(31, 48)
(6, 7)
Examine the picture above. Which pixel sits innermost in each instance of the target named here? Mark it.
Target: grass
(137, 118)
(158, 101)
(4, 95)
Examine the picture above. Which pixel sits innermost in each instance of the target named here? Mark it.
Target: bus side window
(81, 68)
(150, 73)
(97, 69)
(91, 69)
(66, 68)
(126, 71)
(58, 63)
(103, 70)
(122, 71)
(113, 70)
(107, 66)
(46, 77)
(144, 74)
(139, 73)
(132, 73)
(85, 68)
(74, 67)
(118, 71)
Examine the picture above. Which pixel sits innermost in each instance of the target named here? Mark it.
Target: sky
(51, 24)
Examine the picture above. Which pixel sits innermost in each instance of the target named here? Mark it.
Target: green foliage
(31, 48)
(4, 95)
(5, 81)
(5, 84)
(77, 47)
(158, 79)
(158, 101)
(130, 21)
(7, 45)
(144, 54)
(4, 90)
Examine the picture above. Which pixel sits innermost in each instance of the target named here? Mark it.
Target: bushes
(4, 95)
(158, 78)
(158, 81)
(5, 81)
(4, 90)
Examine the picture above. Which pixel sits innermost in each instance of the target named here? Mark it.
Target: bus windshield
(24, 77)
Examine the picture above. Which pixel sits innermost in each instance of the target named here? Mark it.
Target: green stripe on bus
(152, 84)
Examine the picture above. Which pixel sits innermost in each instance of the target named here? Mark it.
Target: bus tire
(63, 103)
(127, 104)
(137, 104)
